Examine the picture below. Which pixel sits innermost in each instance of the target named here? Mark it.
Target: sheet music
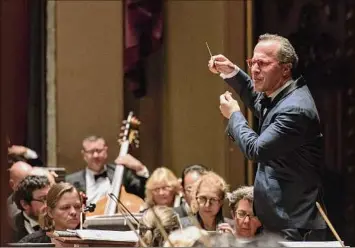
(117, 215)
(311, 244)
(123, 236)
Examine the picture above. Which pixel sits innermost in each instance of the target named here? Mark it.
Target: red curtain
(14, 38)
(143, 33)
(15, 35)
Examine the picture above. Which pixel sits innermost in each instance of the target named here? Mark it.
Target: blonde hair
(188, 237)
(160, 175)
(53, 196)
(149, 230)
(214, 181)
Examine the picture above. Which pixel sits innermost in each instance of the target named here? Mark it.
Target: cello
(107, 206)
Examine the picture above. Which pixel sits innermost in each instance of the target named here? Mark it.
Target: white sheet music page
(123, 236)
(311, 244)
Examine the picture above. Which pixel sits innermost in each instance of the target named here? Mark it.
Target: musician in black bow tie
(288, 144)
(95, 180)
(102, 174)
(30, 197)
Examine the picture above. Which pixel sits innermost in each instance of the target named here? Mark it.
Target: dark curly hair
(26, 187)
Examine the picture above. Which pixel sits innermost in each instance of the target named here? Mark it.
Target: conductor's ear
(286, 69)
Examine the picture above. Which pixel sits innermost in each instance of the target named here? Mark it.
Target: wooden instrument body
(131, 201)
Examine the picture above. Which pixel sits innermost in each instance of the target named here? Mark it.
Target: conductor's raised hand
(228, 105)
(220, 64)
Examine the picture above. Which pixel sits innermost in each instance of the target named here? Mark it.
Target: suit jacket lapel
(285, 92)
(80, 182)
(111, 171)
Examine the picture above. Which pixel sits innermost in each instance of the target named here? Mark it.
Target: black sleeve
(134, 184)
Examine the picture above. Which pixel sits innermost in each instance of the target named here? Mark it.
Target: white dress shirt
(96, 189)
(30, 223)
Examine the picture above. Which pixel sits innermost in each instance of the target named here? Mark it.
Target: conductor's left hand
(228, 105)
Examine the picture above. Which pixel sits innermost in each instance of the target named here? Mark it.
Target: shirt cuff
(143, 172)
(30, 154)
(230, 75)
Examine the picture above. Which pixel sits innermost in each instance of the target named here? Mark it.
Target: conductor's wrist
(234, 69)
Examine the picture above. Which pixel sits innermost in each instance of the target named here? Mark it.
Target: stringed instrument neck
(129, 136)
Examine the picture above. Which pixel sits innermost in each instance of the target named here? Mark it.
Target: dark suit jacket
(288, 149)
(186, 221)
(36, 237)
(19, 230)
(181, 210)
(133, 183)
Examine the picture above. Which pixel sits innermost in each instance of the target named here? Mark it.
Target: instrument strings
(118, 201)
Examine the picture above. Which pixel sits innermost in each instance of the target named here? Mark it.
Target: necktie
(103, 174)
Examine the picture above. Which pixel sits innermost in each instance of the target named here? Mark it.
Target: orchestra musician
(30, 198)
(247, 225)
(95, 180)
(18, 171)
(208, 195)
(161, 189)
(62, 212)
(149, 230)
(190, 175)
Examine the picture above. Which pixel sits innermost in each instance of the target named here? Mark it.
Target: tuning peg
(136, 143)
(135, 121)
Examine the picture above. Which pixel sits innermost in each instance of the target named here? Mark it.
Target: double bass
(106, 205)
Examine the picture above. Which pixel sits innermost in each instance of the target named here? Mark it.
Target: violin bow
(129, 223)
(161, 228)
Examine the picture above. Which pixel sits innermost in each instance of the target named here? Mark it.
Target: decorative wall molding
(51, 85)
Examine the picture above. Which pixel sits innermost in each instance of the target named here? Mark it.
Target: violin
(106, 206)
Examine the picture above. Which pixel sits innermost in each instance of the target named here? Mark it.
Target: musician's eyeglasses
(164, 188)
(92, 152)
(261, 63)
(202, 200)
(241, 214)
(189, 189)
(43, 200)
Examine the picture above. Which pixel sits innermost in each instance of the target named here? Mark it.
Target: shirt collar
(276, 92)
(92, 173)
(32, 222)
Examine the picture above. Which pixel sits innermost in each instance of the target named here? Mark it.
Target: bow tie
(103, 174)
(265, 101)
(36, 228)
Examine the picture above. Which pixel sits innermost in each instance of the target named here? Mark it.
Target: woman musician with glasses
(208, 196)
(247, 225)
(162, 189)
